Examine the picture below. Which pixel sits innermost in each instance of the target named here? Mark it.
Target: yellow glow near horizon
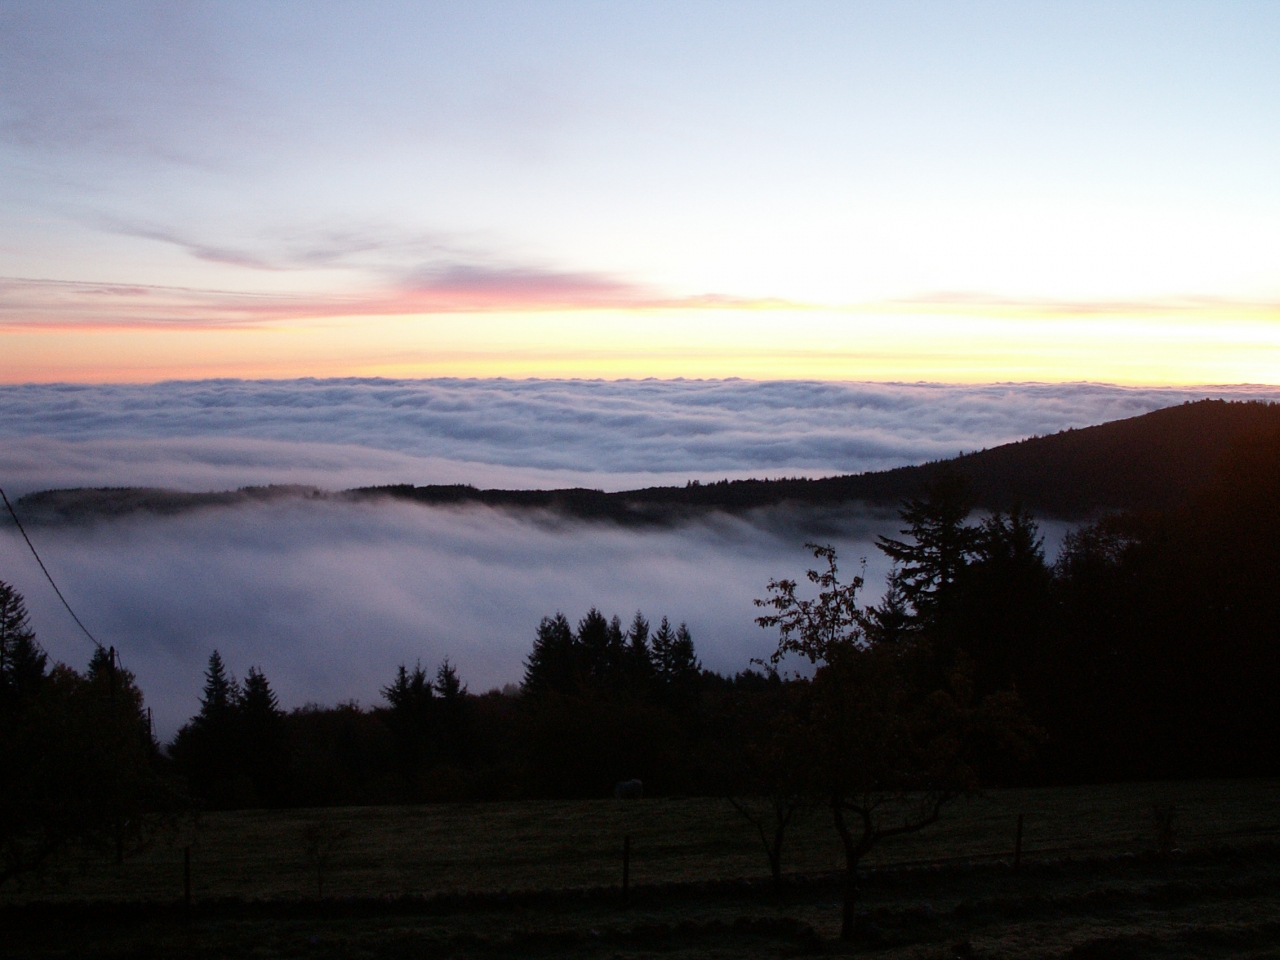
(904, 342)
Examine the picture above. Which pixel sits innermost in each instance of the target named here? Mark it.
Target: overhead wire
(48, 576)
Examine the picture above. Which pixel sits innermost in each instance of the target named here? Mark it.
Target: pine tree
(412, 721)
(553, 664)
(206, 747)
(944, 545)
(601, 647)
(221, 694)
(263, 753)
(663, 655)
(22, 662)
(452, 731)
(639, 662)
(684, 661)
(447, 683)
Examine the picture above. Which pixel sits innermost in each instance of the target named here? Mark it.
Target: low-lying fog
(328, 597)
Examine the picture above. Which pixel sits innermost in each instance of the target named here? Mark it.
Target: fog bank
(329, 597)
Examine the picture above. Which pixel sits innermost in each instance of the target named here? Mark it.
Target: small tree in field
(889, 752)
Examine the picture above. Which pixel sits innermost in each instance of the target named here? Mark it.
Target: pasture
(541, 878)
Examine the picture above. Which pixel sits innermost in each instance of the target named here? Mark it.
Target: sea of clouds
(328, 597)
(523, 433)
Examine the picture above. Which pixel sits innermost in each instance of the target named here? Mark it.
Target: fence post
(626, 868)
(186, 877)
(1017, 846)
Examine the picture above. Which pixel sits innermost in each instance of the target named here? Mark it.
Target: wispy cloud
(30, 303)
(971, 303)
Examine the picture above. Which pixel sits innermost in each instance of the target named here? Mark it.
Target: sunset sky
(861, 191)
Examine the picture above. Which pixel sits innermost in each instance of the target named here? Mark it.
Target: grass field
(1090, 882)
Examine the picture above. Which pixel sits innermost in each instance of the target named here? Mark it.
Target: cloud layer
(524, 433)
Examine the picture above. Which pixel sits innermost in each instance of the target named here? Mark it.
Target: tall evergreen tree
(675, 663)
(22, 663)
(262, 746)
(448, 684)
(600, 646)
(942, 545)
(221, 694)
(206, 747)
(684, 661)
(412, 721)
(552, 667)
(639, 662)
(452, 731)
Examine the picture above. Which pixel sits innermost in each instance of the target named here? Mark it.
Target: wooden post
(186, 877)
(1017, 846)
(626, 867)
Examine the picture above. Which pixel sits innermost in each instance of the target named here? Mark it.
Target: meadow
(542, 878)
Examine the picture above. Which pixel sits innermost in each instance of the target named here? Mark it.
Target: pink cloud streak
(45, 304)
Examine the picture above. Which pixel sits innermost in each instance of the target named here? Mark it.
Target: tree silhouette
(639, 659)
(412, 721)
(553, 664)
(943, 544)
(263, 748)
(889, 752)
(77, 762)
(206, 748)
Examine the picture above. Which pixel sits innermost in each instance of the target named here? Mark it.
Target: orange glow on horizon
(1216, 345)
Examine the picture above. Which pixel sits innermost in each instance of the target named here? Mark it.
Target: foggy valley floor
(542, 878)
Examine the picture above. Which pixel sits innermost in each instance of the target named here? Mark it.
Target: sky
(963, 193)
(601, 244)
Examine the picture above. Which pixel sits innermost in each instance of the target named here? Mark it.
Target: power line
(49, 576)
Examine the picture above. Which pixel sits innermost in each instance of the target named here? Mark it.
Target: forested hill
(1144, 462)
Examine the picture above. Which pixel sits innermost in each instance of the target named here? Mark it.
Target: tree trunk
(853, 854)
(849, 908)
(775, 857)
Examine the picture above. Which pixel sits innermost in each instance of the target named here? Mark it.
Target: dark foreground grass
(540, 880)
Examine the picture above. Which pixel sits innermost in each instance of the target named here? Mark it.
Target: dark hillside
(1145, 462)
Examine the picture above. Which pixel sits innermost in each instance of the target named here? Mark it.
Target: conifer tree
(22, 662)
(260, 731)
(221, 694)
(927, 569)
(553, 664)
(412, 720)
(448, 685)
(663, 654)
(639, 662)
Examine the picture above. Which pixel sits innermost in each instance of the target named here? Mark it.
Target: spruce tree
(260, 733)
(553, 664)
(639, 662)
(22, 662)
